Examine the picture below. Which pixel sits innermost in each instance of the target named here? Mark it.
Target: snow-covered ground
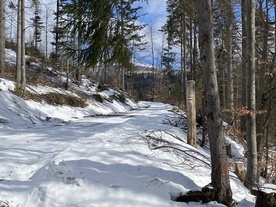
(61, 156)
(83, 160)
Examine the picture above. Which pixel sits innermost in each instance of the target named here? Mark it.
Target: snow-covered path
(100, 161)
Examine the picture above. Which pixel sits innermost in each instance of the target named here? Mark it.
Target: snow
(60, 156)
(6, 85)
(10, 56)
(268, 188)
(45, 89)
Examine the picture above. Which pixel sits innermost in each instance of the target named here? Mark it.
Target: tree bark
(263, 80)
(251, 174)
(194, 53)
(266, 199)
(2, 34)
(229, 28)
(220, 174)
(46, 31)
(20, 53)
(244, 72)
(23, 61)
(18, 44)
(183, 53)
(191, 113)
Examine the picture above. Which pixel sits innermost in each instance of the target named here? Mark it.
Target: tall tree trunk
(18, 44)
(79, 65)
(23, 61)
(182, 58)
(122, 13)
(194, 52)
(2, 34)
(191, 49)
(183, 54)
(244, 60)
(152, 62)
(251, 175)
(220, 174)
(57, 30)
(46, 31)
(229, 48)
(263, 80)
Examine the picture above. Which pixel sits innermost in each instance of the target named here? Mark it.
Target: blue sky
(155, 18)
(155, 11)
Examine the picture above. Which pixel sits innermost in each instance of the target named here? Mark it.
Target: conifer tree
(37, 24)
(168, 58)
(175, 28)
(108, 30)
(58, 31)
(181, 32)
(124, 33)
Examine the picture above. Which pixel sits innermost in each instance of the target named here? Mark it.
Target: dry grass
(53, 98)
(37, 76)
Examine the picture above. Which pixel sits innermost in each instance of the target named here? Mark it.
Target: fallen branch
(178, 149)
(174, 136)
(170, 134)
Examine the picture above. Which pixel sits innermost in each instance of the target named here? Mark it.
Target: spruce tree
(108, 30)
(37, 24)
(58, 31)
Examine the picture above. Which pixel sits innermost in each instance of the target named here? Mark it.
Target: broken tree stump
(191, 113)
(239, 170)
(266, 196)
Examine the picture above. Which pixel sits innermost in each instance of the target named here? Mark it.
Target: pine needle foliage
(108, 30)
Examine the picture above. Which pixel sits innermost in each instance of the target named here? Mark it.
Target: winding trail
(32, 156)
(100, 162)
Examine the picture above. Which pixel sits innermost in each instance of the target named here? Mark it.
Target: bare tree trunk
(194, 53)
(23, 65)
(18, 44)
(46, 31)
(263, 80)
(183, 58)
(220, 174)
(229, 48)
(244, 59)
(251, 175)
(191, 50)
(57, 32)
(79, 65)
(2, 34)
(152, 62)
(183, 54)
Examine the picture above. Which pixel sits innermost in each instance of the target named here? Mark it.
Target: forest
(226, 46)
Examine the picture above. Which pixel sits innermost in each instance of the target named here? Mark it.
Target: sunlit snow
(60, 156)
